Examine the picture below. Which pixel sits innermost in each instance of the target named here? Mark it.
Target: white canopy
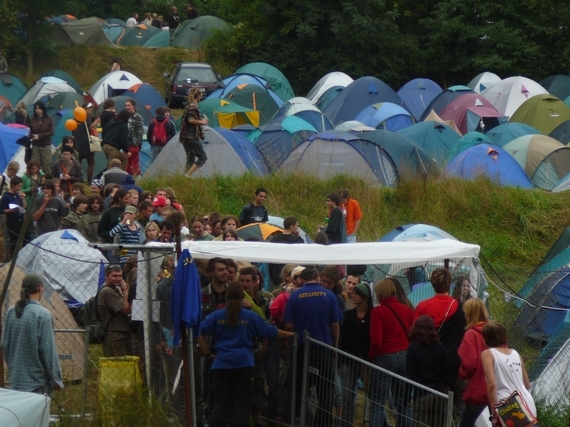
(347, 254)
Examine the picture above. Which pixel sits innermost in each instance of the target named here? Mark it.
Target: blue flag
(186, 296)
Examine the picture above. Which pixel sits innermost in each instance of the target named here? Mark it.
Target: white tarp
(20, 409)
(345, 254)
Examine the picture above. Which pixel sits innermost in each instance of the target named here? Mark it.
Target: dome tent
(113, 84)
(334, 79)
(434, 137)
(509, 94)
(417, 95)
(334, 152)
(192, 33)
(279, 83)
(442, 100)
(45, 89)
(11, 87)
(483, 81)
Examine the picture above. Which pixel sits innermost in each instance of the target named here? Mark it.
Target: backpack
(92, 319)
(159, 136)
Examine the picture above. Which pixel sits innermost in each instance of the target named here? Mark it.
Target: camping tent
(543, 112)
(227, 114)
(192, 33)
(86, 32)
(113, 84)
(505, 133)
(417, 95)
(472, 112)
(334, 152)
(545, 160)
(70, 346)
(160, 39)
(358, 95)
(279, 83)
(11, 88)
(483, 81)
(235, 80)
(137, 35)
(66, 78)
(279, 137)
(334, 79)
(304, 109)
(64, 101)
(562, 132)
(509, 94)
(352, 125)
(558, 85)
(552, 387)
(115, 31)
(229, 153)
(489, 161)
(385, 115)
(256, 98)
(410, 159)
(444, 98)
(45, 89)
(24, 408)
(9, 136)
(51, 255)
(467, 141)
(147, 98)
(434, 137)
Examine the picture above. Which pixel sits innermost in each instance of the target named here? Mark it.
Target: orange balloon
(70, 125)
(80, 114)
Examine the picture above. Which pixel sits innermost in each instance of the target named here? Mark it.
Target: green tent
(87, 32)
(160, 39)
(255, 98)
(542, 112)
(191, 34)
(65, 101)
(227, 114)
(279, 83)
(11, 87)
(137, 35)
(66, 78)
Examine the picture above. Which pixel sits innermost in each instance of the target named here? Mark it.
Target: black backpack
(92, 319)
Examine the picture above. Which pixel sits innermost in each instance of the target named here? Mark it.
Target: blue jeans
(384, 384)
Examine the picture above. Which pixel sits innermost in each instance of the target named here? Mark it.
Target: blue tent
(467, 141)
(415, 232)
(548, 286)
(66, 78)
(444, 98)
(9, 137)
(409, 158)
(562, 132)
(304, 109)
(148, 100)
(489, 161)
(385, 115)
(279, 137)
(358, 95)
(436, 138)
(335, 152)
(328, 97)
(507, 132)
(417, 95)
(115, 31)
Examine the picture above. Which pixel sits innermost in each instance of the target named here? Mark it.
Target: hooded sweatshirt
(471, 369)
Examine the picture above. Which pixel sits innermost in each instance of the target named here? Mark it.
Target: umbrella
(258, 231)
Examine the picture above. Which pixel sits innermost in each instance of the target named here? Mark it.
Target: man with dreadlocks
(28, 342)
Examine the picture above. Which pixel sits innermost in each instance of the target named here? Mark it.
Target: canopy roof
(354, 254)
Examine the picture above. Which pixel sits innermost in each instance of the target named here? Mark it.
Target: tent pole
(24, 229)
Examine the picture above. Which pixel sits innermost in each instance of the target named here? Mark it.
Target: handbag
(94, 143)
(513, 412)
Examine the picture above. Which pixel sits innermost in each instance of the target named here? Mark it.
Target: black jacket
(116, 134)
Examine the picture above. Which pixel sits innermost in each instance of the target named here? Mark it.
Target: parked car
(187, 75)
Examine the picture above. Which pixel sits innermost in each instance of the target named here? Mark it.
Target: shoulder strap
(397, 318)
(446, 313)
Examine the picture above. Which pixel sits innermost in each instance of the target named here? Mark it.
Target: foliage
(552, 416)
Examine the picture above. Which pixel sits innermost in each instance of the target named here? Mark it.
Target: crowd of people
(172, 21)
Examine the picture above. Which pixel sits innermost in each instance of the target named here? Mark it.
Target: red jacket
(437, 307)
(386, 332)
(471, 369)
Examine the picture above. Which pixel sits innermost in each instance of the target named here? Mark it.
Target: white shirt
(131, 22)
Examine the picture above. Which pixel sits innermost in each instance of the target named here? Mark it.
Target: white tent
(353, 254)
(509, 94)
(336, 78)
(45, 87)
(19, 409)
(113, 84)
(552, 387)
(66, 262)
(483, 81)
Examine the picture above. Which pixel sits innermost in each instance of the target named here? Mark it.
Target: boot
(193, 169)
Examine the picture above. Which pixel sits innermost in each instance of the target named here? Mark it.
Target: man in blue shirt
(255, 211)
(28, 342)
(314, 309)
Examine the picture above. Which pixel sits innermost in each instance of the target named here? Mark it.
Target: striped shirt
(126, 237)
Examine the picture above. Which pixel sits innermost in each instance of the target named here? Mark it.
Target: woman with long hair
(473, 344)
(41, 130)
(504, 368)
(390, 325)
(192, 133)
(234, 330)
(151, 232)
(462, 290)
(21, 117)
(401, 293)
(93, 216)
(428, 365)
(32, 178)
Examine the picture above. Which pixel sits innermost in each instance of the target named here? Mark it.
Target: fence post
(449, 419)
(85, 372)
(147, 324)
(192, 348)
(305, 379)
(294, 379)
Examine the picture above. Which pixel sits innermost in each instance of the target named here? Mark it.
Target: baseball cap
(131, 210)
(296, 271)
(159, 201)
